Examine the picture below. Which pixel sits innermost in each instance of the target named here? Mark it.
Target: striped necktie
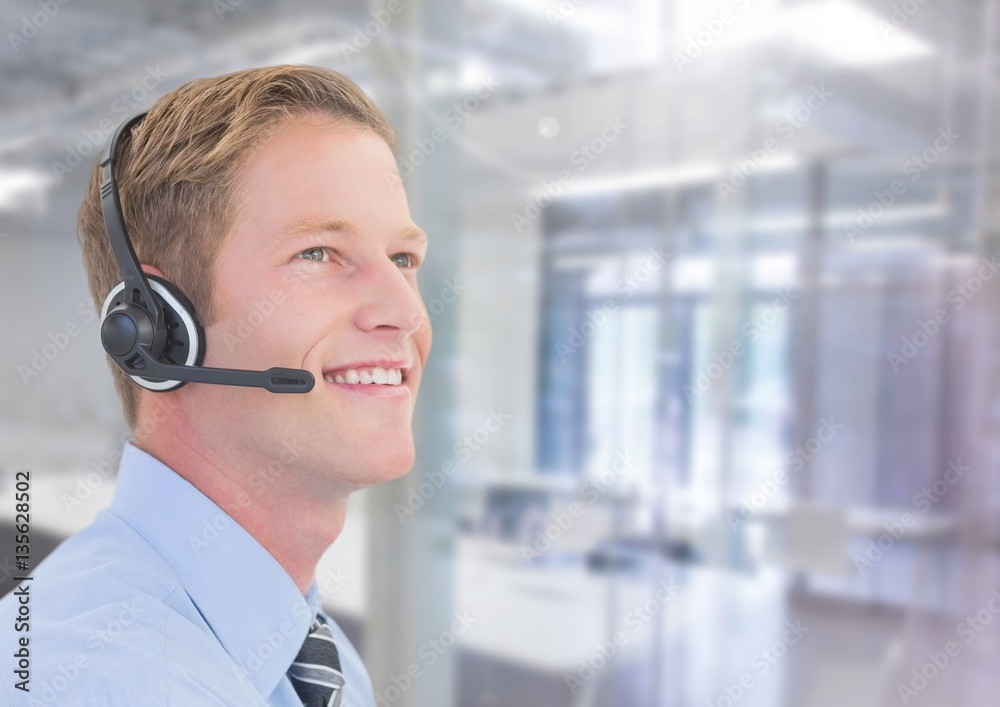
(315, 672)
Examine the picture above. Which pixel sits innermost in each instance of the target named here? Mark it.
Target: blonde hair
(178, 174)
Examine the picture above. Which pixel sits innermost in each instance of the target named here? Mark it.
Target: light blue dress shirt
(164, 600)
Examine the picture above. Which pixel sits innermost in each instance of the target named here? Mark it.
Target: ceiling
(593, 61)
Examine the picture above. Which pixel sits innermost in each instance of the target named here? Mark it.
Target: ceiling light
(17, 184)
(849, 34)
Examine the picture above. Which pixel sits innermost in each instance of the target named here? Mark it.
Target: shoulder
(104, 576)
(97, 625)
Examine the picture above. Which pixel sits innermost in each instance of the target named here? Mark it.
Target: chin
(391, 463)
(397, 465)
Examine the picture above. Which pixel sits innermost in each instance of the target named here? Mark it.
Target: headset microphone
(149, 328)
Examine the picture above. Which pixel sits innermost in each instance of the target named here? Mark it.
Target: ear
(152, 270)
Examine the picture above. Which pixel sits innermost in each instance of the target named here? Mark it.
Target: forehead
(312, 173)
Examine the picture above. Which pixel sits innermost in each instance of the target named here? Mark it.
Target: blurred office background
(712, 413)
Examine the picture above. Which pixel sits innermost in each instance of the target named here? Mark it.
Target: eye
(413, 259)
(316, 254)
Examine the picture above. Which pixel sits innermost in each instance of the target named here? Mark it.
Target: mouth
(381, 378)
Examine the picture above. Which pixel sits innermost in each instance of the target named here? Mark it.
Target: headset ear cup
(187, 319)
(185, 344)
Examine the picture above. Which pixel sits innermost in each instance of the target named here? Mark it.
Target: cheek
(253, 325)
(285, 323)
(303, 316)
(426, 336)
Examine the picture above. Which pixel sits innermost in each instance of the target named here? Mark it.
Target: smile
(373, 375)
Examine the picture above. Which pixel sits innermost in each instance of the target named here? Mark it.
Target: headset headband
(136, 284)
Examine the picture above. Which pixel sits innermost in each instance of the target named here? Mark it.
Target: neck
(293, 524)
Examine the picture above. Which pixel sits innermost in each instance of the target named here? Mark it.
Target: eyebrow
(413, 233)
(314, 226)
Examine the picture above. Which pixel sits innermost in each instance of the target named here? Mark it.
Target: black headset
(149, 328)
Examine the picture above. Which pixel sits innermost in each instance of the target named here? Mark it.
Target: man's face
(319, 273)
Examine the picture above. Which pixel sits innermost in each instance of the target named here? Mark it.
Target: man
(272, 199)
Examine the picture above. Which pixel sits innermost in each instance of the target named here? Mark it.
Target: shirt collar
(247, 598)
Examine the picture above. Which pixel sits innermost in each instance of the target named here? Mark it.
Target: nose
(390, 302)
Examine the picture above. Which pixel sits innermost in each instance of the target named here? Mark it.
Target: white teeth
(377, 376)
